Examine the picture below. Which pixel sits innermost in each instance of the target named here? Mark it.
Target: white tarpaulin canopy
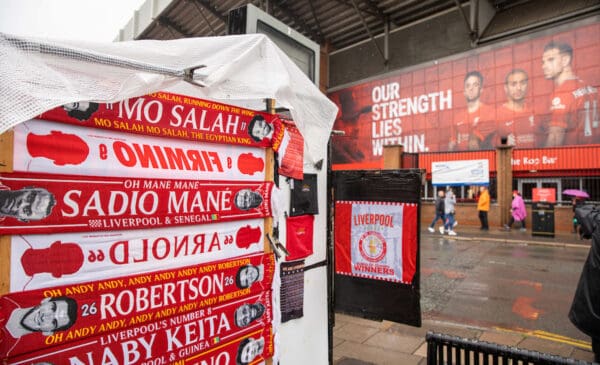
(40, 74)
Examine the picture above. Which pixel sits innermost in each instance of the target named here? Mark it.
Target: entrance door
(376, 244)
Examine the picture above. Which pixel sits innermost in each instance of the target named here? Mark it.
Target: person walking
(483, 207)
(518, 212)
(439, 212)
(449, 206)
(575, 203)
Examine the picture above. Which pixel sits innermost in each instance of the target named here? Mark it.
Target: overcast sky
(92, 20)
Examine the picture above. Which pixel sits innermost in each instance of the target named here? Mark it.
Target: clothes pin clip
(277, 247)
(273, 247)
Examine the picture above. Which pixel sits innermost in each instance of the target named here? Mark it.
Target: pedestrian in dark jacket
(585, 309)
(575, 203)
(439, 212)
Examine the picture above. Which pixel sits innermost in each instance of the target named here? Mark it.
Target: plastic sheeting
(40, 74)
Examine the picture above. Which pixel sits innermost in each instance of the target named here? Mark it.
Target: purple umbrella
(576, 193)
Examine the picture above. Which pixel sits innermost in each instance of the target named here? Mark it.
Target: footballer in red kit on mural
(474, 127)
(536, 91)
(574, 117)
(516, 118)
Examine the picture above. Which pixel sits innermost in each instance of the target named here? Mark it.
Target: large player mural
(532, 92)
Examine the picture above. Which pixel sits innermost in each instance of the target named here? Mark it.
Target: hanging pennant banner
(38, 319)
(196, 333)
(376, 240)
(41, 261)
(41, 146)
(175, 116)
(60, 203)
(289, 145)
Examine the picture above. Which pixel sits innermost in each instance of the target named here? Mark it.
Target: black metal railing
(445, 349)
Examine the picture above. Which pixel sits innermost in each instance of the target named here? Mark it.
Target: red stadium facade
(538, 93)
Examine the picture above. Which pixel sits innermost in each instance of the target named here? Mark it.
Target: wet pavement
(509, 288)
(519, 285)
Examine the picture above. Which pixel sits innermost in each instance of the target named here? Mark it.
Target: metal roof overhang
(344, 23)
(338, 23)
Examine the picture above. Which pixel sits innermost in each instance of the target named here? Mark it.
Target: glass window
(591, 185)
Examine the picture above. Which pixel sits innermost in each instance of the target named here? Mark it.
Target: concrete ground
(359, 341)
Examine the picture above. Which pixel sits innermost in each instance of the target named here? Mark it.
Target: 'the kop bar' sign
(38, 319)
(175, 116)
(196, 334)
(59, 203)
